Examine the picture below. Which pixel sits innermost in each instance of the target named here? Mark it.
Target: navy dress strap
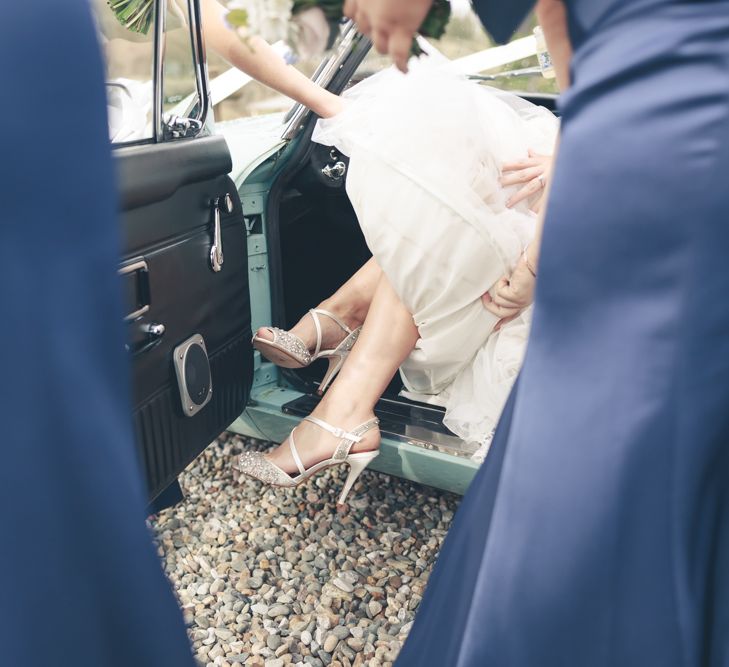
(81, 582)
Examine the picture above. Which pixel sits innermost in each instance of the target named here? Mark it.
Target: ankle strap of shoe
(336, 432)
(348, 438)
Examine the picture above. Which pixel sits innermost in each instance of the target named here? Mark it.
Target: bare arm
(257, 59)
(552, 16)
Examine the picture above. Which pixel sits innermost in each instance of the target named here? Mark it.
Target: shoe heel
(335, 365)
(357, 463)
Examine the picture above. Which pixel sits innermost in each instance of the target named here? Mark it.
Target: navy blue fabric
(81, 584)
(599, 534)
(502, 17)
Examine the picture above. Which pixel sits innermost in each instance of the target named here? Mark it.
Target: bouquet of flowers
(134, 15)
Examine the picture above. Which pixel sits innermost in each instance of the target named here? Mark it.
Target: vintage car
(230, 226)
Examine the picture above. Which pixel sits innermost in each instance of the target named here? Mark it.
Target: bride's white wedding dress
(425, 153)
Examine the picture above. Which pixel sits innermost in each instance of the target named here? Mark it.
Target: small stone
(306, 637)
(374, 608)
(341, 632)
(355, 644)
(273, 642)
(203, 589)
(255, 583)
(278, 610)
(260, 609)
(330, 643)
(275, 662)
(343, 585)
(218, 586)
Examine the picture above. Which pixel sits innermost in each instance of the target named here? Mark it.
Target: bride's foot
(320, 334)
(334, 326)
(316, 444)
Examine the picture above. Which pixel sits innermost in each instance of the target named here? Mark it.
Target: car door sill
(415, 445)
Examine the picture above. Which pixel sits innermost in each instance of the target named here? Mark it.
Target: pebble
(330, 643)
(374, 608)
(343, 585)
(279, 578)
(279, 610)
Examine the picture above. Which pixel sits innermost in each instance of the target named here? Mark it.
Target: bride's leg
(349, 303)
(388, 336)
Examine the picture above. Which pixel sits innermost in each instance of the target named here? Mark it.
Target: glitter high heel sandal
(256, 465)
(289, 351)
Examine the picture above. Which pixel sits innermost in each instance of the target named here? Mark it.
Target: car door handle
(216, 250)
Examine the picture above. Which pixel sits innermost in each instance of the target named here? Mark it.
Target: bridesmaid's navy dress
(80, 582)
(596, 534)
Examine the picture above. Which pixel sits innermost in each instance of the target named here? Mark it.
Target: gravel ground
(274, 577)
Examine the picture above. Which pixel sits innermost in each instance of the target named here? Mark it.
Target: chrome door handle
(216, 250)
(335, 171)
(154, 329)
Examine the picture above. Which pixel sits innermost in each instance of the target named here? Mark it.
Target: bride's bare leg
(350, 303)
(388, 336)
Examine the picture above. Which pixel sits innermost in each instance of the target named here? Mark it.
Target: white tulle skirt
(425, 153)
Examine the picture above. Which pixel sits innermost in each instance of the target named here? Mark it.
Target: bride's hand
(510, 295)
(534, 172)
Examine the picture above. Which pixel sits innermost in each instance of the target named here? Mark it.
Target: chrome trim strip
(139, 265)
(324, 75)
(200, 62)
(160, 19)
(137, 314)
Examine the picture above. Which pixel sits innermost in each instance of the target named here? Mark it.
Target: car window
(128, 46)
(179, 93)
(301, 32)
(129, 60)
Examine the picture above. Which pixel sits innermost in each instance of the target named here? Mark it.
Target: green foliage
(134, 15)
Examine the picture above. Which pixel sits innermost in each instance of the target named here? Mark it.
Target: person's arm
(257, 59)
(512, 294)
(552, 16)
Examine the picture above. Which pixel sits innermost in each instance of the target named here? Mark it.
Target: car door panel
(167, 199)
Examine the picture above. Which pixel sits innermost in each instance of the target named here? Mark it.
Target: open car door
(184, 266)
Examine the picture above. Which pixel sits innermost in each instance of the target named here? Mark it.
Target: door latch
(335, 171)
(216, 250)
